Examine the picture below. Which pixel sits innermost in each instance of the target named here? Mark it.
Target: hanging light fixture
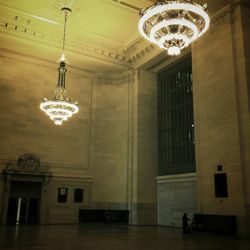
(173, 25)
(60, 108)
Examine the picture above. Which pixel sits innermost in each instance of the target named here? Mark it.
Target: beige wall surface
(60, 213)
(109, 142)
(99, 141)
(24, 128)
(176, 195)
(221, 115)
(124, 144)
(147, 148)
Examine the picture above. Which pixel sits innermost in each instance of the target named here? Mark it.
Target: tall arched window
(176, 151)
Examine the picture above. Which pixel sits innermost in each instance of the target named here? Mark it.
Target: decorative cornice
(15, 27)
(82, 178)
(52, 165)
(142, 53)
(19, 25)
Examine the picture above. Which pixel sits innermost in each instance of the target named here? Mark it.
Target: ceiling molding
(20, 26)
(25, 28)
(123, 4)
(17, 29)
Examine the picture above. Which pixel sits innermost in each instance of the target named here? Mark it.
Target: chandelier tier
(173, 25)
(60, 108)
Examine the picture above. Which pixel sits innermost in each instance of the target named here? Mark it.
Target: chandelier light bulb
(62, 58)
(173, 25)
(174, 51)
(58, 123)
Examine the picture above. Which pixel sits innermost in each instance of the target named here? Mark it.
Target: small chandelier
(60, 108)
(173, 25)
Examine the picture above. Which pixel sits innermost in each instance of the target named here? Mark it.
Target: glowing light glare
(168, 23)
(171, 37)
(58, 122)
(62, 58)
(59, 110)
(67, 106)
(173, 23)
(174, 51)
(52, 111)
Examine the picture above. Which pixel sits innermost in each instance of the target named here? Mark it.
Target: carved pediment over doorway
(27, 164)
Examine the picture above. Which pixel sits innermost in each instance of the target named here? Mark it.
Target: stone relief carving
(142, 53)
(29, 163)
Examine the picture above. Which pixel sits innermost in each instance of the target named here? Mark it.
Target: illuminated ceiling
(102, 35)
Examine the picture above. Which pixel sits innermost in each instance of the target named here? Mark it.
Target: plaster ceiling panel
(107, 21)
(104, 22)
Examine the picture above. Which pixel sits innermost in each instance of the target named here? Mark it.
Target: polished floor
(112, 237)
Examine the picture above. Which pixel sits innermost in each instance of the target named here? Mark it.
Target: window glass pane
(175, 119)
(78, 195)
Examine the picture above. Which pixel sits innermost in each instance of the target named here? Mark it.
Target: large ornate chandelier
(173, 25)
(60, 108)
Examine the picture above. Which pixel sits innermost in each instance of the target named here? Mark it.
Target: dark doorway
(12, 211)
(24, 202)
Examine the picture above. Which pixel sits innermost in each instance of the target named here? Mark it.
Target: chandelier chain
(64, 29)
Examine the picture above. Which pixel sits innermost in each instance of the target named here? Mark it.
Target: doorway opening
(24, 202)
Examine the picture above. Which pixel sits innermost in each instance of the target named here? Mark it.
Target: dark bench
(214, 223)
(107, 216)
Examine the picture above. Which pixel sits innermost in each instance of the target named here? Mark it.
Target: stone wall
(60, 213)
(245, 12)
(109, 141)
(24, 128)
(123, 144)
(144, 159)
(100, 141)
(176, 195)
(222, 115)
